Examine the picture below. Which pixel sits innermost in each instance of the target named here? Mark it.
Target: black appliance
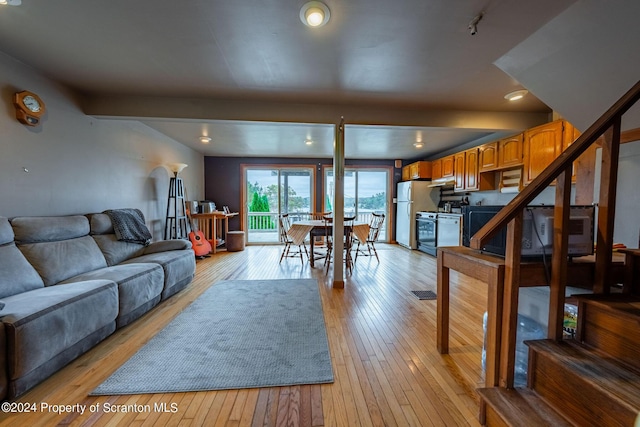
(537, 230)
(426, 232)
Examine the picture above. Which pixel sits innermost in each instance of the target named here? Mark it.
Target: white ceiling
(254, 78)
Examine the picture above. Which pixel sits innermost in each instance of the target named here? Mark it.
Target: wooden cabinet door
(436, 169)
(406, 173)
(542, 145)
(510, 151)
(570, 134)
(471, 172)
(447, 167)
(488, 157)
(459, 159)
(413, 171)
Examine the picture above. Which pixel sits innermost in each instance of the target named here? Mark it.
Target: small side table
(208, 224)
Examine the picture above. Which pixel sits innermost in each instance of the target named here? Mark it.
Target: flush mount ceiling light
(516, 95)
(308, 141)
(205, 139)
(418, 144)
(314, 14)
(11, 2)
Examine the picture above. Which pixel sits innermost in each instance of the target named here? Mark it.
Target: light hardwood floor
(386, 366)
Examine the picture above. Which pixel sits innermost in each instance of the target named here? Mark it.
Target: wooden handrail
(559, 165)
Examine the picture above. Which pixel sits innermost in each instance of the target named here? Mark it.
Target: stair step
(587, 388)
(519, 407)
(611, 323)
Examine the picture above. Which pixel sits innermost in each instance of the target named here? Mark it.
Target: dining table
(316, 227)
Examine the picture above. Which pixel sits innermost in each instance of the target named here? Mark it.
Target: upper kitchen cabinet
(436, 169)
(459, 170)
(488, 157)
(510, 152)
(569, 135)
(542, 145)
(417, 170)
(447, 167)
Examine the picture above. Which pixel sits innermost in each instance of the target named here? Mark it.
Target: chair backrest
(285, 225)
(374, 227)
(318, 215)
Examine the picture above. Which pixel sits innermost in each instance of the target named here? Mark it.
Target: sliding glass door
(365, 191)
(271, 191)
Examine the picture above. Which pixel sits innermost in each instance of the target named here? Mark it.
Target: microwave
(537, 230)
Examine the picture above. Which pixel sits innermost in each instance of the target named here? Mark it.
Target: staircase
(593, 380)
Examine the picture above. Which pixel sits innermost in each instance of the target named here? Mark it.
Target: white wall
(79, 164)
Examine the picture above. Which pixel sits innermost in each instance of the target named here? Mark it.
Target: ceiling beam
(145, 107)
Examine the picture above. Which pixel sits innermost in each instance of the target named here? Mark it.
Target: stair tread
(521, 407)
(603, 372)
(623, 303)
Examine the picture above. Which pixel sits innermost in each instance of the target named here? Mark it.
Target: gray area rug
(237, 334)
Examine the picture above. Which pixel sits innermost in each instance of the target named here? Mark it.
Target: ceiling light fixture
(314, 14)
(418, 144)
(205, 139)
(516, 95)
(11, 2)
(308, 142)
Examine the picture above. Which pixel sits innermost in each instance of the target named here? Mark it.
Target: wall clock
(29, 108)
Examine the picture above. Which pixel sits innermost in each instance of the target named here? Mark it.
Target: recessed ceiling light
(308, 141)
(205, 139)
(516, 95)
(314, 14)
(418, 144)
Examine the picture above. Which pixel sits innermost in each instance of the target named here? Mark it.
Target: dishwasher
(449, 229)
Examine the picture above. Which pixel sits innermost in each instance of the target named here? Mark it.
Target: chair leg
(375, 252)
(284, 251)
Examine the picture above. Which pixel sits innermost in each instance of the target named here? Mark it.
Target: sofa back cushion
(57, 247)
(114, 251)
(16, 274)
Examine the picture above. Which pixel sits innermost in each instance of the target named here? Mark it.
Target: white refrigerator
(413, 197)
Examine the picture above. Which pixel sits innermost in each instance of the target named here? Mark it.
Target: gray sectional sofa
(66, 283)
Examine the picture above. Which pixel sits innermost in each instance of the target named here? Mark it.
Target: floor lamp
(176, 221)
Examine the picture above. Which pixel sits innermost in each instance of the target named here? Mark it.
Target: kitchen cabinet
(542, 145)
(417, 170)
(447, 167)
(569, 135)
(471, 173)
(436, 169)
(406, 174)
(488, 157)
(459, 169)
(510, 151)
(420, 170)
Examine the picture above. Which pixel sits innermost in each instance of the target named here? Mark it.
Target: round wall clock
(29, 108)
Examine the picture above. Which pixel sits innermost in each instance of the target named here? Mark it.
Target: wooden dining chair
(348, 240)
(285, 225)
(374, 231)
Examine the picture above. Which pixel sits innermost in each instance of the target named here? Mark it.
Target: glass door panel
(270, 192)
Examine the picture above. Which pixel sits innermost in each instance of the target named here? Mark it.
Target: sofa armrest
(167, 245)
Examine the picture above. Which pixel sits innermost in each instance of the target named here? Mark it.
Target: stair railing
(511, 216)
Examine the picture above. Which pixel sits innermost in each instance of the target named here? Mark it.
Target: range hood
(442, 182)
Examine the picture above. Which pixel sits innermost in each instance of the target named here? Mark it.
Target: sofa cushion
(44, 322)
(139, 287)
(33, 229)
(178, 266)
(57, 247)
(16, 274)
(6, 232)
(114, 251)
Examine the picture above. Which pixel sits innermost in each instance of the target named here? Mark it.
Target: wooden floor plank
(382, 341)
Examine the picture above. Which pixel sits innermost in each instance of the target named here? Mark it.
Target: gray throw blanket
(129, 226)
